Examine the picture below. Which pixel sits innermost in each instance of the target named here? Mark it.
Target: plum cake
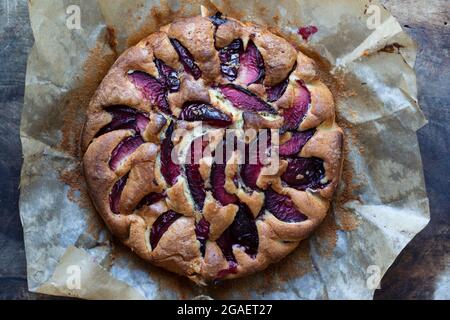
(169, 180)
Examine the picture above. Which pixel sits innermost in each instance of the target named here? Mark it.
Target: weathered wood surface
(415, 271)
(413, 274)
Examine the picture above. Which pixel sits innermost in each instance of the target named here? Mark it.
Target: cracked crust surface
(133, 193)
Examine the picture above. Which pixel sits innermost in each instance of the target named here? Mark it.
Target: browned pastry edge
(178, 249)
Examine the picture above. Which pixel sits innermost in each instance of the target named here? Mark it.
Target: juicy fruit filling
(245, 66)
(169, 169)
(202, 232)
(245, 100)
(123, 150)
(274, 93)
(251, 68)
(152, 89)
(250, 174)
(218, 185)
(161, 225)
(150, 199)
(295, 144)
(282, 207)
(192, 171)
(116, 192)
(243, 233)
(156, 89)
(206, 113)
(186, 59)
(296, 113)
(218, 19)
(168, 75)
(229, 59)
(307, 31)
(304, 173)
(253, 165)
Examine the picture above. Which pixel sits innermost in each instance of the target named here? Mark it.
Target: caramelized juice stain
(75, 104)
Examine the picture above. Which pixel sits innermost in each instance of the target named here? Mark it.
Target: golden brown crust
(179, 249)
(218, 216)
(178, 199)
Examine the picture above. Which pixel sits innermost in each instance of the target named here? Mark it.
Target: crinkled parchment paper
(381, 203)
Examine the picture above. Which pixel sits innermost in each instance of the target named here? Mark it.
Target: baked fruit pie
(189, 84)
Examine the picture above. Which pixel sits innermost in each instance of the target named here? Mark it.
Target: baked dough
(210, 221)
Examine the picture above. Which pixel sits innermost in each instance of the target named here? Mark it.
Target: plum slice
(161, 225)
(242, 232)
(245, 100)
(194, 178)
(274, 93)
(168, 75)
(294, 145)
(153, 89)
(254, 153)
(229, 59)
(116, 192)
(124, 118)
(225, 243)
(218, 19)
(169, 169)
(197, 111)
(202, 233)
(304, 173)
(141, 122)
(186, 59)
(218, 185)
(307, 31)
(252, 167)
(295, 114)
(251, 69)
(195, 182)
(123, 150)
(150, 199)
(282, 207)
(250, 173)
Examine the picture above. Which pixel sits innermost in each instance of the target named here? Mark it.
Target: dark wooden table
(414, 272)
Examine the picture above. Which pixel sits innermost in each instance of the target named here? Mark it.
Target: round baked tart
(159, 164)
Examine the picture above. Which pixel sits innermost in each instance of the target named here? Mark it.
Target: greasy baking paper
(381, 203)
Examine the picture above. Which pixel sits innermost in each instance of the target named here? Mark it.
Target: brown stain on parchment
(158, 17)
(168, 281)
(75, 105)
(295, 265)
(392, 48)
(111, 38)
(326, 236)
(162, 15)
